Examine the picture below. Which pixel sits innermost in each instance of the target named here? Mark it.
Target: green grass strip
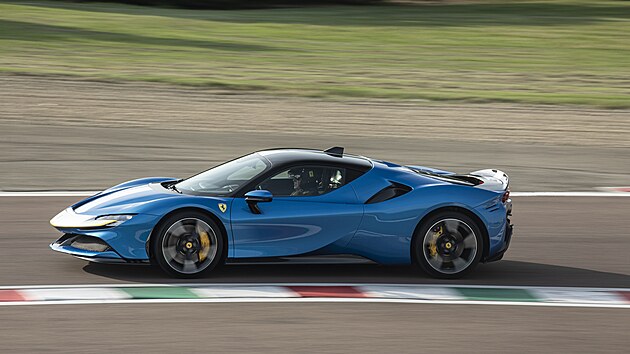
(545, 51)
(498, 294)
(160, 293)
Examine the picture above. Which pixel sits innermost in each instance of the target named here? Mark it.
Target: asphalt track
(567, 241)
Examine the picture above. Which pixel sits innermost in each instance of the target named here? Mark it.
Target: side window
(305, 181)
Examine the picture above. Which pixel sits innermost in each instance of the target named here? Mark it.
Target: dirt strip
(66, 102)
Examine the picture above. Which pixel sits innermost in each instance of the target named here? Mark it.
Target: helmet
(304, 180)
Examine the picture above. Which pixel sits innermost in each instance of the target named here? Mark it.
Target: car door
(317, 211)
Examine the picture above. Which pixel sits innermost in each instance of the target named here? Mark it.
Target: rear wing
(494, 180)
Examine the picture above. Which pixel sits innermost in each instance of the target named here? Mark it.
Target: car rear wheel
(448, 245)
(188, 245)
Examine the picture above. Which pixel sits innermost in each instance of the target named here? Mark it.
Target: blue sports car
(279, 204)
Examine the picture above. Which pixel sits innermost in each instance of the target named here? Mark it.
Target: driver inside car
(304, 181)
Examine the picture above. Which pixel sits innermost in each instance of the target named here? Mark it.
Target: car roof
(291, 156)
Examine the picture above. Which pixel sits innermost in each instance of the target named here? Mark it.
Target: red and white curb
(392, 293)
(615, 189)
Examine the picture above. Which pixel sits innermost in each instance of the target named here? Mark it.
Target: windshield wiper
(172, 186)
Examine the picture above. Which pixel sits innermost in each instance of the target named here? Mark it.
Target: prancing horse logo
(222, 207)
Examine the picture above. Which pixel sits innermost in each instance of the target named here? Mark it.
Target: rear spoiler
(494, 180)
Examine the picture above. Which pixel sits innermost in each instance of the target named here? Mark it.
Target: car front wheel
(188, 245)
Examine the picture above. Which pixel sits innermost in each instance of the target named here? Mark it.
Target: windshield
(226, 178)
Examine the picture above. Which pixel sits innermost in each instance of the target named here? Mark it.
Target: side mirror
(257, 196)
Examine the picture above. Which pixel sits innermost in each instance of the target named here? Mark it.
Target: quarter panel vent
(390, 192)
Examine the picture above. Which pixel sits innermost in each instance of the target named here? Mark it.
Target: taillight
(506, 196)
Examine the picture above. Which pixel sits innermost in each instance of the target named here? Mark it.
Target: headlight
(69, 219)
(114, 220)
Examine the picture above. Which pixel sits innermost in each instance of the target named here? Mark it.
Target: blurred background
(96, 93)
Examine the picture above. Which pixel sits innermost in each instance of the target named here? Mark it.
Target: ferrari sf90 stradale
(280, 204)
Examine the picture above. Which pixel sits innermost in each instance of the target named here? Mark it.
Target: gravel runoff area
(60, 133)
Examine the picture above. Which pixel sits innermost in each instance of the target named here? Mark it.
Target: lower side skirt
(332, 259)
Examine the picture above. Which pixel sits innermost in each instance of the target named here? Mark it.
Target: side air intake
(390, 192)
(83, 242)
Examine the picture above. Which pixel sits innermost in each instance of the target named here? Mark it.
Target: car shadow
(508, 273)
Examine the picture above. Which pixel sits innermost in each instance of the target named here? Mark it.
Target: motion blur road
(564, 241)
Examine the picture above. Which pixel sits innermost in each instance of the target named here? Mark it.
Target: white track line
(513, 194)
(309, 299)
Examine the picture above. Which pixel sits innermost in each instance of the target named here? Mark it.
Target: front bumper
(127, 241)
(79, 246)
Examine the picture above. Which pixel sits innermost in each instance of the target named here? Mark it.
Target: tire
(188, 245)
(448, 245)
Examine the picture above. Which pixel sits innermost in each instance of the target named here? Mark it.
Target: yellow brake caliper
(205, 245)
(433, 241)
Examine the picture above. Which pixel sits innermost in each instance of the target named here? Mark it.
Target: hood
(129, 197)
(136, 197)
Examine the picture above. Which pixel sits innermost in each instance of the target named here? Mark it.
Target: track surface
(312, 328)
(558, 242)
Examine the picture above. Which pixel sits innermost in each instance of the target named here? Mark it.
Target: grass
(546, 52)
